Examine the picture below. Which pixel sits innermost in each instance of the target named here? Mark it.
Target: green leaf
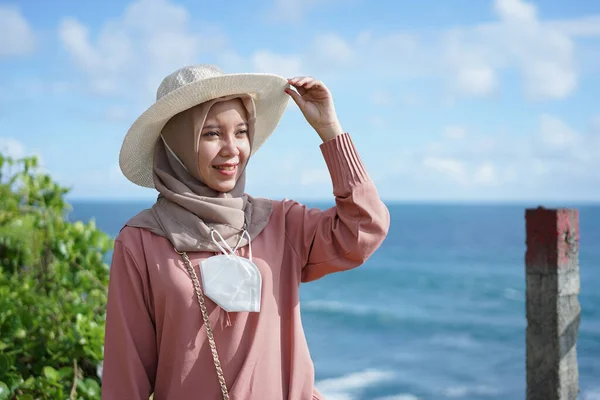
(51, 312)
(91, 387)
(51, 373)
(4, 365)
(29, 382)
(4, 391)
(62, 250)
(66, 372)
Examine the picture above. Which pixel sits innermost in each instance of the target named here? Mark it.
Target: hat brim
(267, 90)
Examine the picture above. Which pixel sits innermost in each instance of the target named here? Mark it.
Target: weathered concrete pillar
(553, 311)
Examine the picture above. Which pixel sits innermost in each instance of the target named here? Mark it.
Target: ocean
(438, 312)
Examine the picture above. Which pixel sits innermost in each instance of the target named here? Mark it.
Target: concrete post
(553, 310)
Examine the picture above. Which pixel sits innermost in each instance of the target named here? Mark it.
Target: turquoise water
(437, 313)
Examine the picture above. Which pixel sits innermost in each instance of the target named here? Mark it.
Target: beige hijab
(187, 209)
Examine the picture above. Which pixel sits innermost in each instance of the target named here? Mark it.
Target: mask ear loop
(212, 235)
(173, 153)
(245, 233)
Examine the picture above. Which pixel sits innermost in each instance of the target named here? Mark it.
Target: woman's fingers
(295, 96)
(301, 90)
(301, 81)
(313, 83)
(304, 81)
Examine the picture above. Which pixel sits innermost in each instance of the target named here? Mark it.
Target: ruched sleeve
(346, 235)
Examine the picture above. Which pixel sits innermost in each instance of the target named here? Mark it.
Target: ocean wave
(403, 396)
(514, 294)
(462, 391)
(417, 320)
(347, 386)
(336, 307)
(460, 341)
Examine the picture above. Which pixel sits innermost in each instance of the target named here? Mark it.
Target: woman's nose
(230, 146)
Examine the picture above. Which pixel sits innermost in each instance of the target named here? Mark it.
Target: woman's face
(224, 145)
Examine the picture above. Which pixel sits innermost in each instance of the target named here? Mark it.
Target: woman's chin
(223, 186)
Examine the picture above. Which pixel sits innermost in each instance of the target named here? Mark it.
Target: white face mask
(233, 282)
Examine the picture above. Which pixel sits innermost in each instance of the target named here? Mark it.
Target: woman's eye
(243, 132)
(211, 133)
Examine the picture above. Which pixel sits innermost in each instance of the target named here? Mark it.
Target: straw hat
(190, 86)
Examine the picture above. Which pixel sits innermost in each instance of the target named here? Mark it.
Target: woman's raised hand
(316, 103)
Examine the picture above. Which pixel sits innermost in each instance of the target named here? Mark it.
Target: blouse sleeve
(130, 355)
(347, 234)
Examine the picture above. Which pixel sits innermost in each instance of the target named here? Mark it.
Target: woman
(203, 300)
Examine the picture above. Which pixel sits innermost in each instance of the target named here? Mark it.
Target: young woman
(203, 300)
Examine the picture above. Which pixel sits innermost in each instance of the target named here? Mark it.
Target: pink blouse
(155, 340)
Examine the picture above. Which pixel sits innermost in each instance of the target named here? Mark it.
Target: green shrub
(53, 283)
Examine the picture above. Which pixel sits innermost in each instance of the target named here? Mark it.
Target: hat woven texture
(186, 88)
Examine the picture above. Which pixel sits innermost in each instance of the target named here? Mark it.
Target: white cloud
(587, 26)
(472, 59)
(564, 143)
(394, 54)
(556, 134)
(332, 49)
(314, 176)
(548, 163)
(278, 170)
(104, 183)
(367, 55)
(293, 11)
(542, 52)
(463, 172)
(515, 10)
(553, 161)
(477, 80)
(284, 65)
(32, 88)
(262, 60)
(16, 35)
(75, 37)
(486, 173)
(130, 53)
(10, 147)
(115, 175)
(13, 148)
(450, 167)
(455, 132)
(135, 51)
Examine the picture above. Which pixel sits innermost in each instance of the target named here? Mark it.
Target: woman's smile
(229, 169)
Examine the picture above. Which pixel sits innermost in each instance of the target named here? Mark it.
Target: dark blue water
(438, 312)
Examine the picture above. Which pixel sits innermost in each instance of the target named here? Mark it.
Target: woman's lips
(226, 169)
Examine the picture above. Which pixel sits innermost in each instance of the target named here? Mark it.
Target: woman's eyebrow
(212, 126)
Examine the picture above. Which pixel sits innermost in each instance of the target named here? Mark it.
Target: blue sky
(446, 100)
